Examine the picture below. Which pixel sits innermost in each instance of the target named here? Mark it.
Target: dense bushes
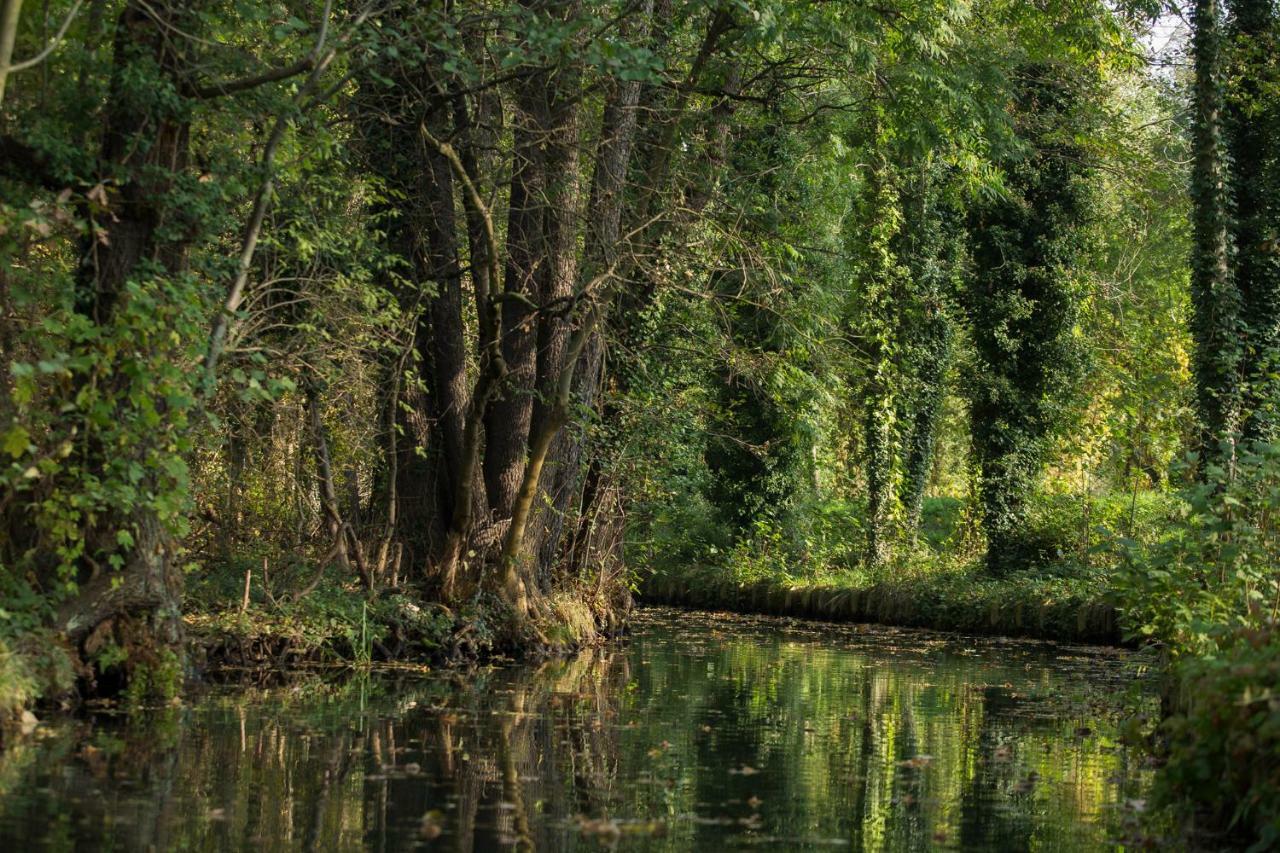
(1208, 593)
(1224, 743)
(1214, 567)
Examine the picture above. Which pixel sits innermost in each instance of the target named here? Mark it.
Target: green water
(698, 732)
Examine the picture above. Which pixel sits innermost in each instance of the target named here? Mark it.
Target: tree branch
(302, 66)
(51, 47)
(228, 87)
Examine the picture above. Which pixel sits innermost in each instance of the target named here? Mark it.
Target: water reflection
(700, 733)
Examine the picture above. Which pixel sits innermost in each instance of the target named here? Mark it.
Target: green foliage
(117, 443)
(155, 680)
(18, 687)
(877, 335)
(1224, 739)
(1022, 306)
(1214, 567)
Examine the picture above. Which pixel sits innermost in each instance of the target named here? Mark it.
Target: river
(698, 732)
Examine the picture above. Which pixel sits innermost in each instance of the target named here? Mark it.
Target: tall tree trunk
(1021, 308)
(561, 489)
(877, 333)
(926, 410)
(928, 246)
(146, 144)
(592, 493)
(510, 415)
(1214, 299)
(430, 413)
(1251, 121)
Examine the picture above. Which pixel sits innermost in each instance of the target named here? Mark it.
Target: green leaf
(16, 441)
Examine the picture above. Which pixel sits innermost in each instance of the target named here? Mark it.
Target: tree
(1250, 120)
(1021, 308)
(1215, 298)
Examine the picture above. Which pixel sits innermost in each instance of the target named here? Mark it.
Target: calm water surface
(700, 732)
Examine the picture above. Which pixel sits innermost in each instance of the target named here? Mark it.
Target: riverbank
(1036, 607)
(345, 628)
(235, 628)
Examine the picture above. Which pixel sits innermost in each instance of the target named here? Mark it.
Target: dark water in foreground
(699, 733)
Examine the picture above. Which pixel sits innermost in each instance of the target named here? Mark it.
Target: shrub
(1225, 740)
(1214, 569)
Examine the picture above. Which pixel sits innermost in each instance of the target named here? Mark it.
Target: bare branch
(50, 48)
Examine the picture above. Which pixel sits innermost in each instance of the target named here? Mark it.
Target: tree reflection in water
(697, 733)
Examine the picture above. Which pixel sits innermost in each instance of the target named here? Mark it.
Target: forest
(378, 333)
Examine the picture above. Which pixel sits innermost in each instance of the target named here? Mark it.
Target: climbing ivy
(1021, 304)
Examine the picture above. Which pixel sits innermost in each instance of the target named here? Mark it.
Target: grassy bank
(339, 624)
(1045, 608)
(938, 581)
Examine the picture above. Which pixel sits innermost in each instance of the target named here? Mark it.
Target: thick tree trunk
(927, 409)
(558, 270)
(510, 415)
(137, 606)
(430, 413)
(929, 247)
(1021, 308)
(561, 489)
(879, 335)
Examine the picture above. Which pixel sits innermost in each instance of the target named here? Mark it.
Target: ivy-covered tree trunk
(929, 252)
(1251, 124)
(753, 451)
(934, 357)
(1022, 308)
(876, 338)
(1215, 300)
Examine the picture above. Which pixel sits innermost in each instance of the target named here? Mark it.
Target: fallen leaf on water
(917, 762)
(431, 825)
(1027, 784)
(599, 827)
